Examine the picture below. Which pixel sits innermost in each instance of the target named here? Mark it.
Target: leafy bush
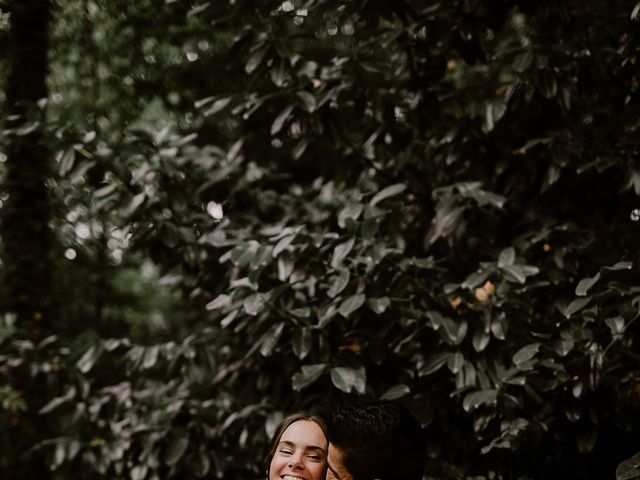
(434, 203)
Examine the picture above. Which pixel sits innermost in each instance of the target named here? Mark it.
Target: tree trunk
(26, 237)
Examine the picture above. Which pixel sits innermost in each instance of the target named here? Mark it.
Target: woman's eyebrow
(307, 447)
(315, 447)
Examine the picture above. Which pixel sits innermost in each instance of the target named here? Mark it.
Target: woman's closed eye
(285, 451)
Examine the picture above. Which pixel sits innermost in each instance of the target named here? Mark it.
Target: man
(375, 441)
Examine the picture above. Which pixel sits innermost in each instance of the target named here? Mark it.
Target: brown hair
(379, 440)
(286, 423)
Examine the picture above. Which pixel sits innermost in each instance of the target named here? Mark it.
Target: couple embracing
(374, 441)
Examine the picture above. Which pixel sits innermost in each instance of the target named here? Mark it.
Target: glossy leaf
(351, 304)
(348, 379)
(526, 353)
(395, 392)
(307, 375)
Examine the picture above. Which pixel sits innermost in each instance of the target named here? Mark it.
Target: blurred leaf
(434, 363)
(302, 339)
(526, 353)
(455, 362)
(619, 266)
(630, 468)
(523, 61)
(201, 464)
(339, 282)
(270, 339)
(219, 105)
(378, 305)
(348, 379)
(352, 211)
(307, 375)
(395, 392)
(563, 347)
(176, 450)
(282, 244)
(585, 284)
(282, 117)
(507, 257)
(341, 251)
(480, 340)
(139, 472)
(66, 160)
(57, 401)
(351, 304)
(387, 192)
(615, 324)
(254, 303)
(133, 205)
(308, 100)
(255, 60)
(150, 357)
(576, 305)
(475, 399)
(475, 279)
(89, 359)
(220, 301)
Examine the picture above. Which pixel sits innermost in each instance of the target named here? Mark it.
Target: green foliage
(429, 202)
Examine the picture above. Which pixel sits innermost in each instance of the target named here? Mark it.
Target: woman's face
(301, 453)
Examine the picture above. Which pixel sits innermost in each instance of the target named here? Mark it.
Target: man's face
(336, 470)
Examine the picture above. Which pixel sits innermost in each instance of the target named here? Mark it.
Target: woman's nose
(295, 460)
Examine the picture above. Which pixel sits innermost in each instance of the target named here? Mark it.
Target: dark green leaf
(482, 397)
(307, 375)
(220, 301)
(302, 339)
(176, 450)
(351, 304)
(341, 251)
(282, 117)
(270, 339)
(434, 363)
(352, 211)
(308, 100)
(615, 324)
(218, 106)
(396, 392)
(619, 266)
(89, 359)
(67, 160)
(378, 305)
(387, 192)
(254, 303)
(575, 306)
(507, 257)
(348, 379)
(455, 362)
(255, 60)
(526, 353)
(339, 283)
(585, 284)
(480, 340)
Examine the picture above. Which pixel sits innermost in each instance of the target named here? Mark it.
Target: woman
(298, 449)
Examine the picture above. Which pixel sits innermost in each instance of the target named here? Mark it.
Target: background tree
(26, 238)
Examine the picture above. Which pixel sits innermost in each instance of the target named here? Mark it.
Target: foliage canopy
(429, 202)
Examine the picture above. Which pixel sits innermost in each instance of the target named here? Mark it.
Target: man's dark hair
(378, 440)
